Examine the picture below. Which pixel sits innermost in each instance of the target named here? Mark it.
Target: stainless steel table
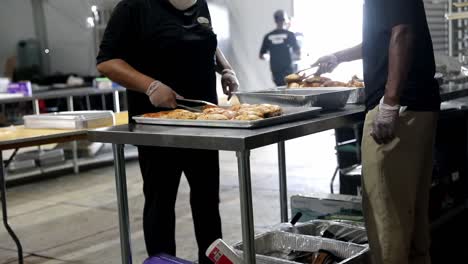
(238, 140)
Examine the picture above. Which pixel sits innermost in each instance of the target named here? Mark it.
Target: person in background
(161, 50)
(403, 102)
(280, 44)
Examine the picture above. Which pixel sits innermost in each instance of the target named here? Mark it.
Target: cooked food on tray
(294, 78)
(318, 81)
(243, 112)
(248, 117)
(212, 117)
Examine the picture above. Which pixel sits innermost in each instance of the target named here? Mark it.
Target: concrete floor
(73, 219)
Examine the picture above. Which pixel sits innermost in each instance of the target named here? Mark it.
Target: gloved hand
(385, 122)
(229, 82)
(162, 95)
(327, 63)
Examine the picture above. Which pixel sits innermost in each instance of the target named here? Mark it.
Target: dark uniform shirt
(279, 43)
(175, 47)
(421, 92)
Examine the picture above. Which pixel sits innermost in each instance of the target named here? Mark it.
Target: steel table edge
(114, 137)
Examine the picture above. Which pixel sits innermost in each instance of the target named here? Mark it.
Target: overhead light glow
(47, 51)
(90, 22)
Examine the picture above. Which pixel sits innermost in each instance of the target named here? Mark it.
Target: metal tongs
(304, 71)
(194, 105)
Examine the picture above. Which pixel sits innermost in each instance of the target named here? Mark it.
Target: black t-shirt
(175, 47)
(279, 44)
(421, 92)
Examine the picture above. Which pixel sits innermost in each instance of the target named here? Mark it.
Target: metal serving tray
(289, 114)
(70, 120)
(273, 247)
(325, 97)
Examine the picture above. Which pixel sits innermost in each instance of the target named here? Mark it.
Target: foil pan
(328, 98)
(332, 230)
(271, 245)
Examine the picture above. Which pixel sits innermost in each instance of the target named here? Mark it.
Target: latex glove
(162, 95)
(326, 63)
(229, 82)
(385, 122)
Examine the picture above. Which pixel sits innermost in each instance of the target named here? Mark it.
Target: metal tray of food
(70, 120)
(325, 97)
(289, 114)
(276, 247)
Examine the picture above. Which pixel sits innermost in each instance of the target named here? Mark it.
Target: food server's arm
(122, 73)
(229, 80)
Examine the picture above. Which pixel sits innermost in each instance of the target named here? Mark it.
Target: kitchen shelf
(131, 153)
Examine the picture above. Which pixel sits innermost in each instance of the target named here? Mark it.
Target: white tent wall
(71, 42)
(249, 22)
(16, 23)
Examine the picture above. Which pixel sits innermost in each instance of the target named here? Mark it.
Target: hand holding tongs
(194, 105)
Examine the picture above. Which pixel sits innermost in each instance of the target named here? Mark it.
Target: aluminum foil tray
(329, 98)
(70, 120)
(331, 229)
(289, 114)
(278, 241)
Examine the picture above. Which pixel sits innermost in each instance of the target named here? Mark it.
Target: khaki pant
(396, 179)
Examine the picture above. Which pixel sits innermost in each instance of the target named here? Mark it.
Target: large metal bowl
(325, 97)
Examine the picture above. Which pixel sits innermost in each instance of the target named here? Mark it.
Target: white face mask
(183, 4)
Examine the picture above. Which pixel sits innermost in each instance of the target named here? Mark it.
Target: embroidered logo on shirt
(203, 20)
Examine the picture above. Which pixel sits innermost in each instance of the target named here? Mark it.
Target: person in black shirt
(161, 50)
(280, 44)
(403, 102)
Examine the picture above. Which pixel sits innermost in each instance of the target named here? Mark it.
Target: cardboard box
(327, 206)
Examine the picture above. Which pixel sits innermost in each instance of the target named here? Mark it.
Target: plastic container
(220, 253)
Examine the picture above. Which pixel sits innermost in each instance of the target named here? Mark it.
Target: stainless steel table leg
(36, 107)
(88, 103)
(103, 101)
(76, 168)
(122, 201)
(283, 185)
(245, 189)
(5, 213)
(116, 101)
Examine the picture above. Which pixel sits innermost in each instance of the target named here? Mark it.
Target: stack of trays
(70, 120)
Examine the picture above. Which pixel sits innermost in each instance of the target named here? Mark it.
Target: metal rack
(457, 16)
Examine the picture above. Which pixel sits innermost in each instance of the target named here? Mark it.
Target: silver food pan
(325, 97)
(289, 114)
(70, 120)
(274, 247)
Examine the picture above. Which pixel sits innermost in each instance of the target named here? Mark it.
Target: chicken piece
(218, 117)
(294, 85)
(294, 78)
(334, 84)
(248, 117)
(251, 111)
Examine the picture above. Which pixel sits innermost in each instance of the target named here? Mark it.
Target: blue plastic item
(166, 259)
